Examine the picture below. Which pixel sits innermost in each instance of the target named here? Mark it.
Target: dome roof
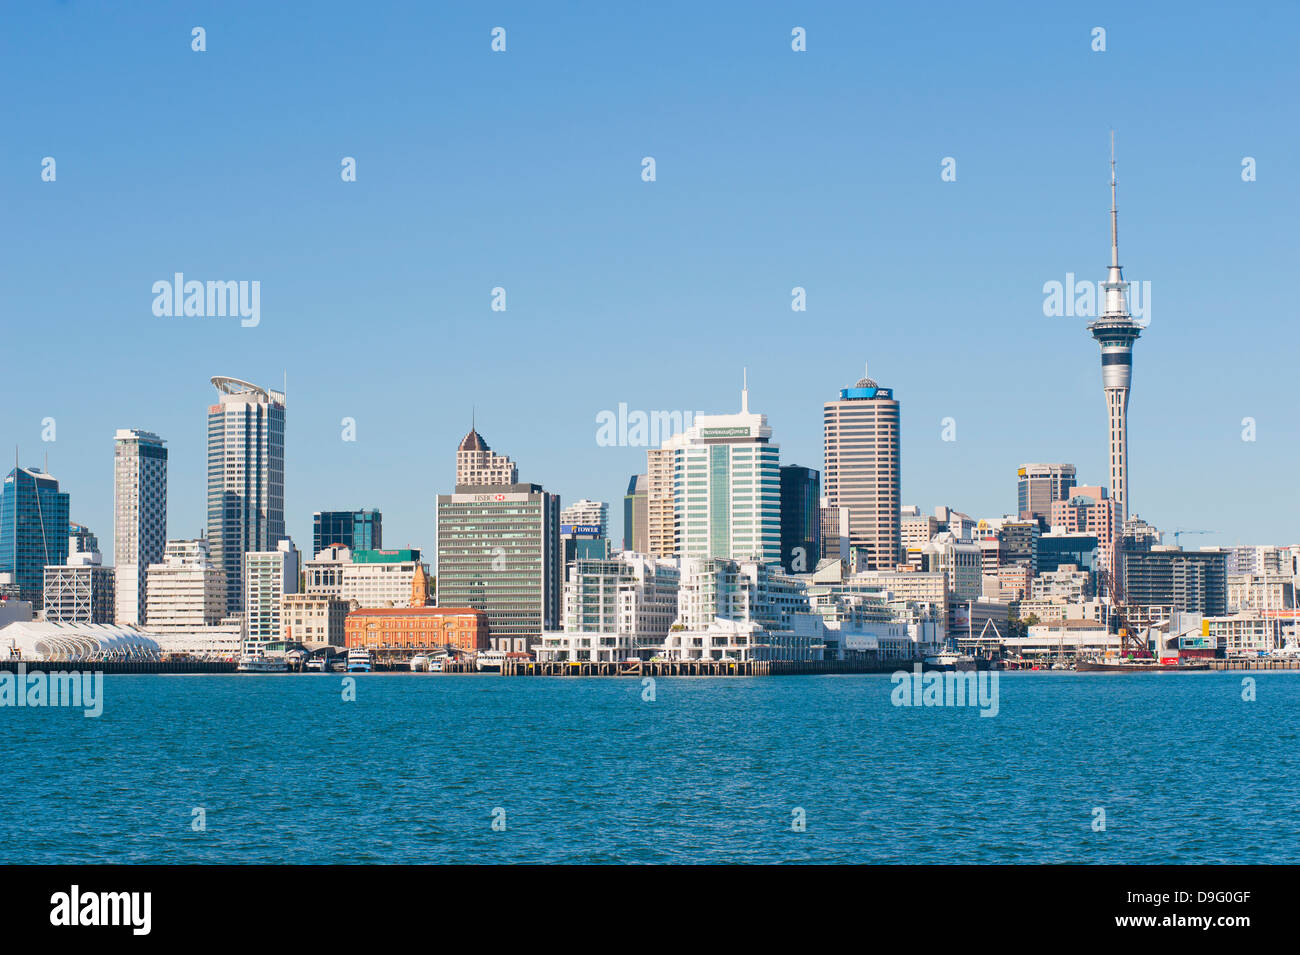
(473, 442)
(866, 383)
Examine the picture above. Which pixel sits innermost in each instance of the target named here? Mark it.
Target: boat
(952, 660)
(359, 660)
(315, 663)
(490, 660)
(435, 666)
(259, 663)
(1137, 666)
(419, 663)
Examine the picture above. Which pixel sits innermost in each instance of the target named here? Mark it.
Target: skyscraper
(33, 530)
(355, 530)
(476, 463)
(245, 478)
(268, 576)
(1039, 486)
(661, 527)
(862, 469)
(727, 487)
(499, 549)
(635, 515)
(801, 531)
(586, 514)
(139, 518)
(1115, 331)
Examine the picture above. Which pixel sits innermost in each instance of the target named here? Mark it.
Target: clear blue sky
(775, 169)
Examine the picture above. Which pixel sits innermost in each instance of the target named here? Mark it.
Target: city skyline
(938, 284)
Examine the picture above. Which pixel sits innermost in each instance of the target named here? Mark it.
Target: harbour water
(587, 770)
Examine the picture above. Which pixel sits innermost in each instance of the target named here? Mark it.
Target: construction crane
(1181, 531)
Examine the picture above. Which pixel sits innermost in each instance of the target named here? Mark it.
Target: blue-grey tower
(1116, 331)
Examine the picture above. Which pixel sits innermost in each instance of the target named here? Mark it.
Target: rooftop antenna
(1114, 214)
(744, 393)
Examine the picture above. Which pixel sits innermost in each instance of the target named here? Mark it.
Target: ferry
(419, 663)
(490, 660)
(258, 663)
(315, 663)
(358, 660)
(435, 666)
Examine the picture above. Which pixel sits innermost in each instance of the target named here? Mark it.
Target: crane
(1181, 531)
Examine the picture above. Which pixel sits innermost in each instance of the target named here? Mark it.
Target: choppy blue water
(712, 770)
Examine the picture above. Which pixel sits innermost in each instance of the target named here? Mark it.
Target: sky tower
(1115, 331)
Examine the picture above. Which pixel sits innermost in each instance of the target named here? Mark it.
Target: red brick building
(399, 633)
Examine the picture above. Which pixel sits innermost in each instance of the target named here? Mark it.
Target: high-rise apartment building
(268, 576)
(33, 530)
(727, 487)
(586, 518)
(478, 464)
(139, 518)
(245, 477)
(863, 466)
(661, 526)
(1039, 486)
(355, 530)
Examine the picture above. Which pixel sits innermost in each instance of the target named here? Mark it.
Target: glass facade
(33, 530)
(800, 518)
(355, 530)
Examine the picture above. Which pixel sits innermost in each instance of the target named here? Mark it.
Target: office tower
(661, 519)
(863, 467)
(268, 576)
(1116, 331)
(1090, 511)
(245, 477)
(1039, 486)
(355, 530)
(801, 531)
(635, 515)
(727, 487)
(1188, 581)
(81, 540)
(185, 591)
(499, 551)
(478, 464)
(80, 591)
(139, 518)
(586, 518)
(834, 531)
(33, 530)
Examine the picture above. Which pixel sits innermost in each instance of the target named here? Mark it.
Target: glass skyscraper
(355, 530)
(33, 530)
(245, 478)
(801, 493)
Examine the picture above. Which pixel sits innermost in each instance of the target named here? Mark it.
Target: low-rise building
(396, 634)
(314, 618)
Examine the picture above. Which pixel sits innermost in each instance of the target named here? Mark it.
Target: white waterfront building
(615, 609)
(186, 591)
(742, 610)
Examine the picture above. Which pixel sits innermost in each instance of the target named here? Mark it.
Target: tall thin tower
(1115, 331)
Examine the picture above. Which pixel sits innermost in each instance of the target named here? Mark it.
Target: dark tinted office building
(801, 492)
(356, 530)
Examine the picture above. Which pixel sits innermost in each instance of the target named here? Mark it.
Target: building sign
(573, 530)
(742, 432)
(500, 497)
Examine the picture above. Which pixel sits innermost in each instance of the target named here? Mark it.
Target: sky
(774, 169)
